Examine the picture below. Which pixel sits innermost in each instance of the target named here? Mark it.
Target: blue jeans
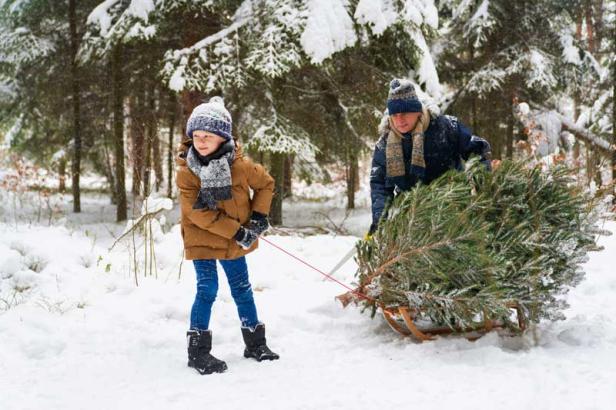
(207, 287)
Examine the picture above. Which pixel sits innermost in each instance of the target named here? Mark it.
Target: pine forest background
(106, 86)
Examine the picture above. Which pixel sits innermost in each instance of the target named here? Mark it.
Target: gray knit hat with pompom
(211, 116)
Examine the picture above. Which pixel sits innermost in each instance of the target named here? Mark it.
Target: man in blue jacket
(415, 146)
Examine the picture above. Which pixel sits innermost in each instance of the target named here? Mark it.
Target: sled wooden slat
(393, 323)
(404, 311)
(410, 328)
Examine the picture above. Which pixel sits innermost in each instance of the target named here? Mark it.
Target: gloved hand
(258, 223)
(371, 231)
(373, 228)
(245, 237)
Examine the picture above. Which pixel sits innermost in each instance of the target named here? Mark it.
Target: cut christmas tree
(478, 250)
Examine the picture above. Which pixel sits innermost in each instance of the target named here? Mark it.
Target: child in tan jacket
(221, 222)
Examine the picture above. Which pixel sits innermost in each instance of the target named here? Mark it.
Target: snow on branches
(275, 36)
(544, 129)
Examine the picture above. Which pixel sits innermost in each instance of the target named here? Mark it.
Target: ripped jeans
(207, 288)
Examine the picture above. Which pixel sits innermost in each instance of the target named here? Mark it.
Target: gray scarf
(214, 172)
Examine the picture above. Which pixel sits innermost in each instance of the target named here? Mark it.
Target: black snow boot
(255, 344)
(199, 357)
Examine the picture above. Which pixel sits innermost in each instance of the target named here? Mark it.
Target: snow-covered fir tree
(496, 52)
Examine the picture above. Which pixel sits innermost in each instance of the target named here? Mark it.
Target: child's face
(205, 142)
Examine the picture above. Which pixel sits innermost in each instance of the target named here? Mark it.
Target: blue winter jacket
(446, 143)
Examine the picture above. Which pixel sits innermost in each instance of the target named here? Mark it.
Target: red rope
(318, 270)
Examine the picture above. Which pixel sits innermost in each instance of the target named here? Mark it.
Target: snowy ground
(77, 333)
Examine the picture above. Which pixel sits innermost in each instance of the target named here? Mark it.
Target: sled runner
(404, 321)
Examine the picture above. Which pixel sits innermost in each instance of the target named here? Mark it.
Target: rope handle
(355, 291)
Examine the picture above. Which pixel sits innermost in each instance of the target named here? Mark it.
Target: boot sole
(203, 373)
(260, 359)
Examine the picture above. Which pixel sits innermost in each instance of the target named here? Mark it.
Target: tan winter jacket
(208, 234)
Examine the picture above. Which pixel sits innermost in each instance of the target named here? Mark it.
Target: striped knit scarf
(214, 172)
(395, 155)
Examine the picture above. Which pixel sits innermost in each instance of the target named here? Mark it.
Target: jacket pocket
(198, 237)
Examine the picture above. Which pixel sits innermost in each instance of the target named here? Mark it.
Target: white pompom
(217, 100)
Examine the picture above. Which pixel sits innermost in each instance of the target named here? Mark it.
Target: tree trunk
(474, 121)
(156, 154)
(76, 91)
(137, 142)
(352, 180)
(62, 175)
(598, 18)
(170, 148)
(497, 140)
(158, 161)
(598, 177)
(496, 144)
(288, 176)
(510, 124)
(589, 27)
(189, 100)
(108, 169)
(118, 131)
(277, 172)
(147, 169)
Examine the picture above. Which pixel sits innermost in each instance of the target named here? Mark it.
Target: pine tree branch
(404, 255)
(209, 40)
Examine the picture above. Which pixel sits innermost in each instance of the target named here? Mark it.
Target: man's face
(205, 142)
(405, 121)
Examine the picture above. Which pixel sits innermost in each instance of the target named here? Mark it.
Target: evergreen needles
(470, 245)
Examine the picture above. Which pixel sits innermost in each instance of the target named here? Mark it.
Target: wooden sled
(401, 319)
